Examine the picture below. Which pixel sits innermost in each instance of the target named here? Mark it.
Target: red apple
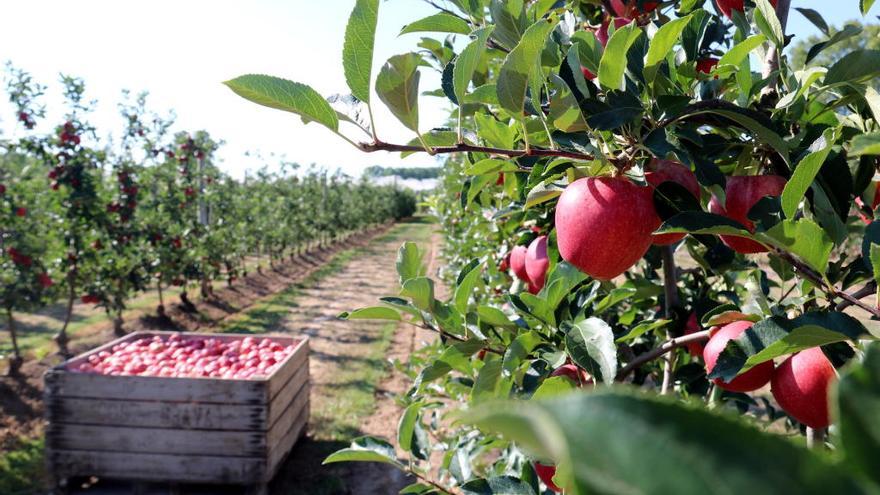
(742, 193)
(20, 212)
(728, 6)
(602, 31)
(751, 380)
(800, 385)
(504, 264)
(605, 224)
(661, 171)
(537, 263)
(2, 189)
(518, 262)
(573, 373)
(45, 280)
(546, 473)
(589, 76)
(705, 65)
(630, 8)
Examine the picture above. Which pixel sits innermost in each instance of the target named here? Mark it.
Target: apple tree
(654, 251)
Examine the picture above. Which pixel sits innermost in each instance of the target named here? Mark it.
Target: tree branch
(771, 62)
(665, 347)
(867, 290)
(670, 295)
(464, 148)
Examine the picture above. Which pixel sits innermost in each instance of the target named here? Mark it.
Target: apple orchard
(662, 255)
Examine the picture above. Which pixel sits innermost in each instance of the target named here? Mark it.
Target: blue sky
(180, 51)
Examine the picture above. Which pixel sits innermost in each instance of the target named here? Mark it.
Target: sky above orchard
(180, 51)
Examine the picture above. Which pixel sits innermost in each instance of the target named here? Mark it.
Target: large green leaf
(489, 383)
(848, 31)
(464, 287)
(366, 449)
(411, 435)
(865, 144)
(805, 239)
(858, 399)
(499, 485)
(856, 66)
(438, 23)
(282, 94)
(409, 261)
(777, 336)
(371, 313)
(467, 62)
(699, 222)
(628, 443)
(357, 50)
(662, 43)
(805, 173)
(741, 50)
(513, 79)
(590, 343)
(768, 22)
(613, 63)
(398, 87)
(865, 6)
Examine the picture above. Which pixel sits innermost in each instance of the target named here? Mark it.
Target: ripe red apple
(546, 473)
(661, 171)
(500, 180)
(602, 31)
(90, 299)
(742, 193)
(518, 262)
(573, 373)
(45, 280)
(727, 6)
(630, 8)
(693, 326)
(753, 379)
(705, 65)
(2, 189)
(504, 264)
(605, 224)
(20, 212)
(800, 385)
(537, 263)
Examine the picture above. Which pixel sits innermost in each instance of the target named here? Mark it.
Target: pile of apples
(179, 356)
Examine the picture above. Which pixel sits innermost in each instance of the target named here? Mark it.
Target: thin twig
(670, 292)
(867, 290)
(665, 347)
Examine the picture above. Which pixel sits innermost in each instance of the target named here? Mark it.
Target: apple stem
(815, 438)
(670, 292)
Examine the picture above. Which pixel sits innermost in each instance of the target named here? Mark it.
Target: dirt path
(352, 383)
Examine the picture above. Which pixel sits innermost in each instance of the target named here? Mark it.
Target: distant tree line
(419, 173)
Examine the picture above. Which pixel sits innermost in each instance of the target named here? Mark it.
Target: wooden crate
(186, 430)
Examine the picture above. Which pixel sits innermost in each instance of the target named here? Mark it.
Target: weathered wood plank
(155, 414)
(281, 401)
(281, 449)
(156, 440)
(162, 467)
(289, 366)
(288, 417)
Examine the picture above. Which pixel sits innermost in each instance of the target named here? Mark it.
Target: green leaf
(493, 316)
(618, 294)
(489, 382)
(541, 194)
(857, 66)
(763, 133)
(513, 79)
(438, 23)
(865, 144)
(496, 133)
(371, 313)
(642, 328)
(848, 31)
(777, 336)
(486, 94)
(281, 94)
(561, 280)
(499, 485)
(357, 50)
(565, 113)
(805, 239)
(698, 222)
(521, 346)
(467, 62)
(858, 398)
(614, 442)
(410, 435)
(409, 262)
(421, 291)
(491, 165)
(768, 23)
(662, 43)
(366, 449)
(815, 18)
(398, 87)
(464, 288)
(865, 6)
(613, 62)
(741, 50)
(805, 173)
(590, 343)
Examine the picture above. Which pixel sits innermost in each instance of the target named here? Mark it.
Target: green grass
(22, 468)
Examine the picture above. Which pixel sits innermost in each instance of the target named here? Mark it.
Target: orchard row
(84, 220)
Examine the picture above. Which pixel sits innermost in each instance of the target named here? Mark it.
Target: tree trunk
(160, 310)
(117, 324)
(670, 291)
(184, 299)
(15, 361)
(61, 337)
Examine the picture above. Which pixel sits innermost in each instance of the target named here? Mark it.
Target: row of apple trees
(87, 219)
(662, 248)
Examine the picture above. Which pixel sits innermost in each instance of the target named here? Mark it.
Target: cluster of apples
(179, 356)
(800, 384)
(530, 263)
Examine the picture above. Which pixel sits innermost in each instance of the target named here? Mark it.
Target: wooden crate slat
(288, 368)
(280, 402)
(156, 440)
(182, 415)
(161, 467)
(281, 449)
(288, 417)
